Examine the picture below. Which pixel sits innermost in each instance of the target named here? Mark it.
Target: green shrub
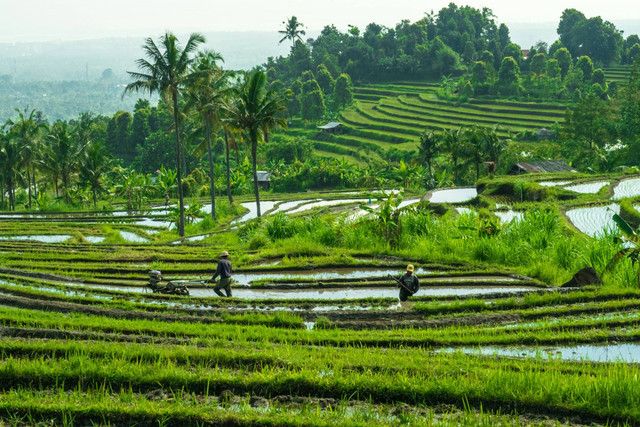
(258, 240)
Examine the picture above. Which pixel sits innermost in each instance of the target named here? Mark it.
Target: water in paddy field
(553, 183)
(588, 188)
(627, 353)
(594, 220)
(453, 195)
(132, 237)
(507, 217)
(45, 238)
(331, 294)
(322, 203)
(627, 188)
(285, 206)
(253, 210)
(245, 279)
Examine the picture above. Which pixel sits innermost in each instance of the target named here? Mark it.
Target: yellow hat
(224, 253)
(410, 267)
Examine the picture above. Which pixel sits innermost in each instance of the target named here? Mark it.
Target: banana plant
(631, 239)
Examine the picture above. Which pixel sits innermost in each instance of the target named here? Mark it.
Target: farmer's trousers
(223, 284)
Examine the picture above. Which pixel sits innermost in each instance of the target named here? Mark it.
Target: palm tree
(452, 141)
(256, 111)
(206, 96)
(429, 148)
(292, 31)
(94, 165)
(474, 146)
(62, 155)
(27, 133)
(10, 161)
(166, 72)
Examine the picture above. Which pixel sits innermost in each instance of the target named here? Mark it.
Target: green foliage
(343, 94)
(508, 76)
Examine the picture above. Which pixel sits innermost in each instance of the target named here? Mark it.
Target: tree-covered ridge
(447, 42)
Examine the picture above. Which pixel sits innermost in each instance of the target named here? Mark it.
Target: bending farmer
(224, 270)
(408, 284)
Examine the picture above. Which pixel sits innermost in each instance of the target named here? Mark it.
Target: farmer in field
(408, 284)
(224, 270)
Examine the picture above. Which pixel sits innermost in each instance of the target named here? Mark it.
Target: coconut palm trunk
(254, 157)
(212, 171)
(226, 149)
(178, 166)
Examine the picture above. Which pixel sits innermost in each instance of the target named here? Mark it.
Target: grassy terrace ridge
(402, 110)
(374, 113)
(81, 354)
(460, 110)
(357, 119)
(444, 113)
(444, 121)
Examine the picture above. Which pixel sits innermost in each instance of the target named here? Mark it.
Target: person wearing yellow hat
(223, 270)
(408, 284)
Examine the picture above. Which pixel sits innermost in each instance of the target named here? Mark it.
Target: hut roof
(330, 125)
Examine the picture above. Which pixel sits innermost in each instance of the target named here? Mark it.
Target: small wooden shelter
(332, 127)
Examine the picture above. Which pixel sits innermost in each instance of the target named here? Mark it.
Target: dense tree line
(604, 134)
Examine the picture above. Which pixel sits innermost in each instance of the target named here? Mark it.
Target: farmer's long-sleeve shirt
(224, 269)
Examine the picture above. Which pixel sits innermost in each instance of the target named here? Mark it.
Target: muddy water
(246, 279)
(453, 195)
(627, 353)
(332, 294)
(594, 220)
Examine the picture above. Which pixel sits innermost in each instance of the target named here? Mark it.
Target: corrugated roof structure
(542, 166)
(330, 125)
(263, 176)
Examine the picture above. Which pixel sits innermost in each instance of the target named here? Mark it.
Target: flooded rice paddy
(332, 294)
(624, 353)
(588, 188)
(595, 220)
(553, 183)
(45, 238)
(627, 188)
(453, 195)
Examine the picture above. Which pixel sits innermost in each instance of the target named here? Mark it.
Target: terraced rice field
(394, 115)
(306, 340)
(619, 75)
(83, 354)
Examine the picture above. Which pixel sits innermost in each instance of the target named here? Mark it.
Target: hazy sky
(44, 20)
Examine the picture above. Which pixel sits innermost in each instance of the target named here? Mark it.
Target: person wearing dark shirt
(410, 282)
(223, 270)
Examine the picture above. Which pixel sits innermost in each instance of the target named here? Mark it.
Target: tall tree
(293, 30)
(206, 96)
(61, 155)
(256, 111)
(28, 134)
(452, 142)
(429, 148)
(10, 163)
(166, 72)
(94, 165)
